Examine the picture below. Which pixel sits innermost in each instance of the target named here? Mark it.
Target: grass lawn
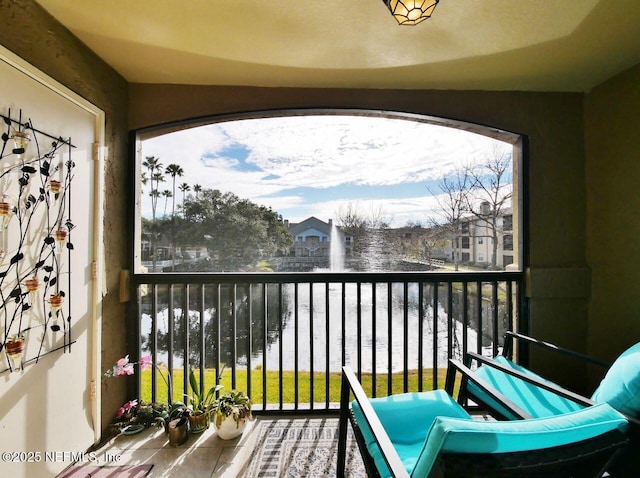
(288, 385)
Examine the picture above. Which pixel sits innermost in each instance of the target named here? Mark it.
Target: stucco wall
(612, 119)
(559, 283)
(559, 279)
(31, 33)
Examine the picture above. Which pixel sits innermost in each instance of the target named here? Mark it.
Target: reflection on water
(311, 328)
(373, 328)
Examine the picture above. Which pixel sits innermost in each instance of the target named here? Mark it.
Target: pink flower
(145, 362)
(122, 367)
(127, 370)
(121, 363)
(126, 408)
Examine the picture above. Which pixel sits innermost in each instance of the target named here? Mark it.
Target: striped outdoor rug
(301, 448)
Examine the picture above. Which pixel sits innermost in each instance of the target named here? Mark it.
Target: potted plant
(201, 403)
(177, 424)
(134, 415)
(231, 410)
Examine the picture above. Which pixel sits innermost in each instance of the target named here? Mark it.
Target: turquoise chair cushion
(422, 425)
(457, 435)
(537, 402)
(620, 387)
(407, 418)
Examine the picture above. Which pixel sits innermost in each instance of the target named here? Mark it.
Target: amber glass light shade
(55, 185)
(15, 346)
(411, 12)
(32, 284)
(55, 301)
(61, 234)
(21, 141)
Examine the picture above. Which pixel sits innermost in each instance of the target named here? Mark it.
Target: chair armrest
(549, 386)
(468, 376)
(554, 348)
(351, 384)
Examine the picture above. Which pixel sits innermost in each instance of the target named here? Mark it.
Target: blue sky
(305, 166)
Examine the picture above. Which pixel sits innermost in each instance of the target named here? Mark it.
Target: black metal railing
(283, 337)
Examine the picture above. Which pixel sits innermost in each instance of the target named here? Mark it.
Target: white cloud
(333, 150)
(398, 212)
(316, 152)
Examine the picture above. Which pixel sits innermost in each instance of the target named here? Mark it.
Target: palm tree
(197, 188)
(174, 170)
(166, 194)
(154, 167)
(184, 187)
(154, 194)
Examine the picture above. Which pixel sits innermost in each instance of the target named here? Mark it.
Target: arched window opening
(299, 191)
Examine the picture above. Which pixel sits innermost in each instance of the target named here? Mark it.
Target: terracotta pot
(199, 422)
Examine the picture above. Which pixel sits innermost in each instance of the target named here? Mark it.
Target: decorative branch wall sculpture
(35, 249)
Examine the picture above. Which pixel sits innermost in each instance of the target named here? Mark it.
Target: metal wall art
(35, 249)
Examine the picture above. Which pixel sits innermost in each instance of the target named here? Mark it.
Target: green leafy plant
(151, 414)
(139, 413)
(232, 404)
(201, 402)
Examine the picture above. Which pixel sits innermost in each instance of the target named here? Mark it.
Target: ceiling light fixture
(411, 12)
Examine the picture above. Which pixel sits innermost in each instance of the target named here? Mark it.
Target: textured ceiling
(543, 45)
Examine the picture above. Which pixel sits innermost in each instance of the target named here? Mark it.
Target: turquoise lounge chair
(429, 434)
(522, 394)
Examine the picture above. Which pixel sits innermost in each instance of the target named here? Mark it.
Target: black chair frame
(585, 459)
(627, 464)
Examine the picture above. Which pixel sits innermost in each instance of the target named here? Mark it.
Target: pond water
(302, 338)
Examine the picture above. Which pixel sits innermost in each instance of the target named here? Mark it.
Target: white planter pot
(228, 429)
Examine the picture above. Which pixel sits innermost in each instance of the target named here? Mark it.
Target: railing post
(436, 290)
(186, 344)
(280, 349)
(170, 337)
(405, 336)
(342, 427)
(154, 341)
(249, 337)
(234, 334)
(202, 355)
(218, 317)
